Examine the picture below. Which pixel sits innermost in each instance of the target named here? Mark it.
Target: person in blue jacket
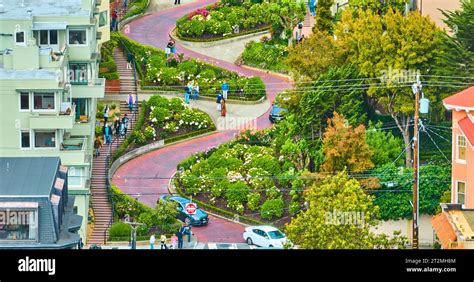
(225, 89)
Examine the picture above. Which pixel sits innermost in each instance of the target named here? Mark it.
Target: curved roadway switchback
(149, 174)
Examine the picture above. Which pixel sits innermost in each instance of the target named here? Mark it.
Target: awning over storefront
(49, 26)
(444, 230)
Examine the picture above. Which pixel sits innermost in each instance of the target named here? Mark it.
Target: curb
(288, 78)
(208, 44)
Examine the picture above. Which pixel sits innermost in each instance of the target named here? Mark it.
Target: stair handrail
(109, 150)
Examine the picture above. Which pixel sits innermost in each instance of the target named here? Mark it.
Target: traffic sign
(191, 208)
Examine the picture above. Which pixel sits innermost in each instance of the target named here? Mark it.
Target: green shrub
(98, 130)
(254, 86)
(236, 194)
(294, 208)
(159, 115)
(273, 193)
(120, 229)
(272, 208)
(157, 101)
(149, 133)
(99, 115)
(138, 137)
(253, 201)
(100, 107)
(113, 106)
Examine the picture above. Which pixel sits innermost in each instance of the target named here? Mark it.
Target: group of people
(176, 239)
(191, 91)
(120, 127)
(171, 46)
(115, 13)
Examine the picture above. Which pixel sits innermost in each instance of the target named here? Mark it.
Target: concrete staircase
(99, 194)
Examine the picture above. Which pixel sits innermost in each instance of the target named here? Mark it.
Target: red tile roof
(467, 127)
(444, 230)
(463, 99)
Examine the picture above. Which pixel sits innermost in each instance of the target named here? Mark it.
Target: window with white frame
(45, 139)
(461, 192)
(77, 37)
(461, 148)
(75, 175)
(20, 38)
(25, 139)
(24, 101)
(47, 37)
(43, 101)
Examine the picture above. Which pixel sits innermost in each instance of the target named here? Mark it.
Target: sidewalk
(145, 245)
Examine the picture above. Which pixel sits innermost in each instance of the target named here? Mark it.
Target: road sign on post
(191, 208)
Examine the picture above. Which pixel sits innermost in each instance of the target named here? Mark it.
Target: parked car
(199, 218)
(276, 113)
(265, 236)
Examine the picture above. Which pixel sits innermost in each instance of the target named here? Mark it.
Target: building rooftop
(6, 74)
(467, 128)
(18, 9)
(462, 100)
(27, 176)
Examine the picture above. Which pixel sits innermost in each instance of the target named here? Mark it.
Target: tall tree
(344, 147)
(325, 224)
(457, 56)
(377, 44)
(287, 13)
(324, 17)
(314, 56)
(334, 91)
(379, 6)
(383, 143)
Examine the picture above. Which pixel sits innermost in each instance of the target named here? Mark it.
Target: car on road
(265, 236)
(197, 219)
(276, 113)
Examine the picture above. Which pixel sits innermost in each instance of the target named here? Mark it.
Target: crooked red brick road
(149, 174)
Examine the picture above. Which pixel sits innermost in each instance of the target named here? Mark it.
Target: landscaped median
(237, 178)
(160, 72)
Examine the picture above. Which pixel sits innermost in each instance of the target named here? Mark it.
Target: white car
(265, 236)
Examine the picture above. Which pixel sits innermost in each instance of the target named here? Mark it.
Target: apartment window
(82, 109)
(25, 139)
(18, 225)
(103, 18)
(461, 192)
(20, 37)
(45, 139)
(75, 175)
(77, 37)
(43, 101)
(24, 101)
(78, 73)
(461, 144)
(48, 37)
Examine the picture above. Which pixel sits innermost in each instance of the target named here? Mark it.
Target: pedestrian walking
(196, 91)
(225, 89)
(187, 93)
(125, 123)
(107, 134)
(171, 45)
(218, 101)
(97, 146)
(121, 129)
(312, 7)
(114, 20)
(106, 113)
(130, 101)
(177, 2)
(129, 61)
(125, 5)
(180, 239)
(223, 108)
(163, 242)
(152, 242)
(174, 241)
(116, 126)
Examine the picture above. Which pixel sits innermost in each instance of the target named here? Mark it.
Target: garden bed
(242, 179)
(223, 20)
(268, 54)
(162, 73)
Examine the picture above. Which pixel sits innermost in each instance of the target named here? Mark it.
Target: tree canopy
(320, 227)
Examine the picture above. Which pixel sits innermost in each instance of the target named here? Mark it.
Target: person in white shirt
(152, 241)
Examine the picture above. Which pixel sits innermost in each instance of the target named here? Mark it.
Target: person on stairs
(97, 146)
(125, 123)
(130, 101)
(129, 61)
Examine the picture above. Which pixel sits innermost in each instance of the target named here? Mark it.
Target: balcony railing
(62, 119)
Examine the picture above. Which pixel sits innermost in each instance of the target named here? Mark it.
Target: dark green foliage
(272, 208)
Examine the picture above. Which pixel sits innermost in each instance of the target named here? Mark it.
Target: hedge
(232, 35)
(216, 210)
(189, 135)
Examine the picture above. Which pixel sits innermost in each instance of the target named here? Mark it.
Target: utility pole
(416, 163)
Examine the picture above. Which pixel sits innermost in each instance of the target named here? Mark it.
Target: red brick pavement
(149, 174)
